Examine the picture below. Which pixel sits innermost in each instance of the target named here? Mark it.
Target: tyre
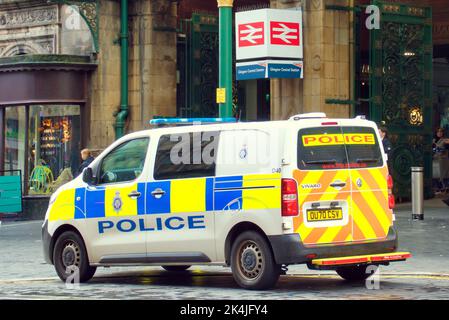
(176, 268)
(252, 262)
(354, 274)
(70, 254)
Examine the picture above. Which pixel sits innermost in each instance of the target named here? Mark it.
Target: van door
(372, 216)
(113, 205)
(324, 187)
(179, 198)
(248, 183)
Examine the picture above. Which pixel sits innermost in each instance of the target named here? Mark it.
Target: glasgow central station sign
(269, 44)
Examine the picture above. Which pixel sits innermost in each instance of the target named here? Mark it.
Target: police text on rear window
(338, 148)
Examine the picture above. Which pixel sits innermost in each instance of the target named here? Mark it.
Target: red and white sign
(251, 34)
(269, 33)
(285, 33)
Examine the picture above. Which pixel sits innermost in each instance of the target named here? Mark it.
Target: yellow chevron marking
(329, 235)
(311, 178)
(349, 238)
(303, 231)
(362, 223)
(378, 210)
(380, 179)
(329, 195)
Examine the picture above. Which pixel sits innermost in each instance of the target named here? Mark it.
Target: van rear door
(372, 216)
(324, 187)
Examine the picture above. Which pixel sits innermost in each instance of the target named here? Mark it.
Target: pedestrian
(441, 153)
(385, 141)
(87, 158)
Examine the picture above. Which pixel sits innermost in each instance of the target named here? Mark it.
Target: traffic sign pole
(225, 56)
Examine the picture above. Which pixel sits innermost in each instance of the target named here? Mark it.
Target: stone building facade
(60, 64)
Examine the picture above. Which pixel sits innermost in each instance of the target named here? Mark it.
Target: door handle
(134, 195)
(158, 193)
(338, 185)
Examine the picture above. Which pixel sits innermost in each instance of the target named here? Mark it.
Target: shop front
(43, 116)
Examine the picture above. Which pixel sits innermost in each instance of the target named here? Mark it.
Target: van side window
(186, 155)
(124, 163)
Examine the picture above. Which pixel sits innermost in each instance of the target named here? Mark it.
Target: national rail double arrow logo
(284, 33)
(251, 34)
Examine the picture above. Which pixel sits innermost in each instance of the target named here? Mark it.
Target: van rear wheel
(176, 268)
(70, 257)
(252, 262)
(354, 274)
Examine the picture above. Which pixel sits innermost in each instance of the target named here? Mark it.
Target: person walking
(388, 147)
(87, 158)
(441, 149)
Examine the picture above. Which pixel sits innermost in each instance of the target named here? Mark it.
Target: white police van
(253, 196)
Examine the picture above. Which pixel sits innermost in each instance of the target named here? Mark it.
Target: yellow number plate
(324, 215)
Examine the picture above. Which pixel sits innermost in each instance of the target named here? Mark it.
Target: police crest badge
(117, 202)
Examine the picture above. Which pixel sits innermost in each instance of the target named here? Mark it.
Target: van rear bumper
(289, 249)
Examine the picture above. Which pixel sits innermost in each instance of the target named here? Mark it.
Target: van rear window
(327, 148)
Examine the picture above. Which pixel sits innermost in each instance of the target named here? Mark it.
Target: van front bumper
(46, 242)
(289, 249)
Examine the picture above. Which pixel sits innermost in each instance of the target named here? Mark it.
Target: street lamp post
(225, 56)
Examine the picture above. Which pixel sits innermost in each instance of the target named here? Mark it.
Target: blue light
(162, 121)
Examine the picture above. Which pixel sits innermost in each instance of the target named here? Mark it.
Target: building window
(15, 121)
(44, 142)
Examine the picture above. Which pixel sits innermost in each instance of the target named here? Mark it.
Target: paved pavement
(24, 275)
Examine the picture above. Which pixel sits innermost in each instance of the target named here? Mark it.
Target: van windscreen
(327, 148)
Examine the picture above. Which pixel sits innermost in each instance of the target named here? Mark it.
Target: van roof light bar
(190, 121)
(313, 115)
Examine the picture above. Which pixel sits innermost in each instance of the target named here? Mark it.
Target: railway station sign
(269, 44)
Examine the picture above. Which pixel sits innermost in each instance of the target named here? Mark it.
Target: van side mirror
(88, 176)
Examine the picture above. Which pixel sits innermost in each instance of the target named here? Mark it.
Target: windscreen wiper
(322, 162)
(368, 160)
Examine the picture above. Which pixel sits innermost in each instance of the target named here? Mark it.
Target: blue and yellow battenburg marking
(248, 192)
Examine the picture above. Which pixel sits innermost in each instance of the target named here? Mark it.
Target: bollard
(418, 193)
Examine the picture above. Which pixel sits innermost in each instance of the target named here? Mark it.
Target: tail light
(390, 182)
(289, 198)
(391, 201)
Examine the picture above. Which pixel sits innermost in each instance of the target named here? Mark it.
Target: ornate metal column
(225, 56)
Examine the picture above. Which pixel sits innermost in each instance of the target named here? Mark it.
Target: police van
(253, 196)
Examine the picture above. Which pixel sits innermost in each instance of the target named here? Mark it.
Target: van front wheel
(252, 262)
(357, 273)
(71, 260)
